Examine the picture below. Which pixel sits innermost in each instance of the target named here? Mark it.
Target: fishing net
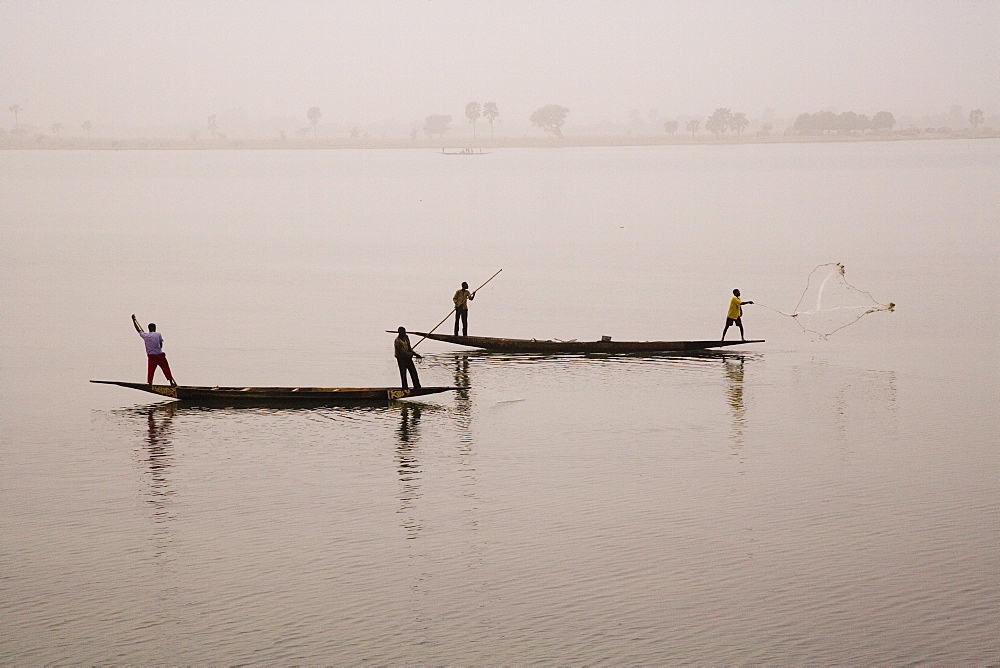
(829, 303)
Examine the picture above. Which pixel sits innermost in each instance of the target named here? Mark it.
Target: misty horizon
(127, 67)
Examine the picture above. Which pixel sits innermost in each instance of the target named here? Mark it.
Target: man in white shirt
(154, 352)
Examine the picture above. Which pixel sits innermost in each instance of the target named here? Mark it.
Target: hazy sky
(141, 62)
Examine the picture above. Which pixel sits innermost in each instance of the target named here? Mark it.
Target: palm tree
(473, 111)
(491, 112)
(14, 108)
(314, 115)
(692, 126)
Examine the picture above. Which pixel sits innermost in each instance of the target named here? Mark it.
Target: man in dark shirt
(404, 358)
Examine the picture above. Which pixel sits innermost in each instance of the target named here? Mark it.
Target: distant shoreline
(79, 143)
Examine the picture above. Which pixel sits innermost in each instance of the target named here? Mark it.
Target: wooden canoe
(555, 346)
(278, 395)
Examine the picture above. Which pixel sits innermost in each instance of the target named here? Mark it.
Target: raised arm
(138, 327)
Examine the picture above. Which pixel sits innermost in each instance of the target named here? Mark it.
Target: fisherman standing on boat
(154, 352)
(404, 358)
(462, 299)
(735, 315)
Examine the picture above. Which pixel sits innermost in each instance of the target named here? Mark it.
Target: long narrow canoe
(554, 346)
(278, 395)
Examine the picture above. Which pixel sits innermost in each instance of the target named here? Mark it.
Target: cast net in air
(829, 303)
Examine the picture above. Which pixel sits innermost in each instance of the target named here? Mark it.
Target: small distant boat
(464, 151)
(233, 396)
(605, 345)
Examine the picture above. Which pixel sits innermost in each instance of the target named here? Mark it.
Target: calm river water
(800, 501)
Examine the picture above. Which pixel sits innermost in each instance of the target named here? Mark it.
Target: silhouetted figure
(404, 358)
(154, 352)
(462, 299)
(735, 315)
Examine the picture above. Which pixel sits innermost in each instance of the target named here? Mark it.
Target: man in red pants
(154, 352)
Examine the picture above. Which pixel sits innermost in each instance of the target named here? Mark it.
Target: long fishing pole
(453, 310)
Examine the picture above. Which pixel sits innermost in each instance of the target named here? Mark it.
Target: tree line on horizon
(551, 118)
(845, 123)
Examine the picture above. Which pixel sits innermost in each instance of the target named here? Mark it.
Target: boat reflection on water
(158, 456)
(463, 401)
(152, 433)
(408, 467)
(735, 368)
(461, 376)
(486, 358)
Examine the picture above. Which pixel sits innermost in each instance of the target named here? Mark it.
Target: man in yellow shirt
(462, 299)
(735, 315)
